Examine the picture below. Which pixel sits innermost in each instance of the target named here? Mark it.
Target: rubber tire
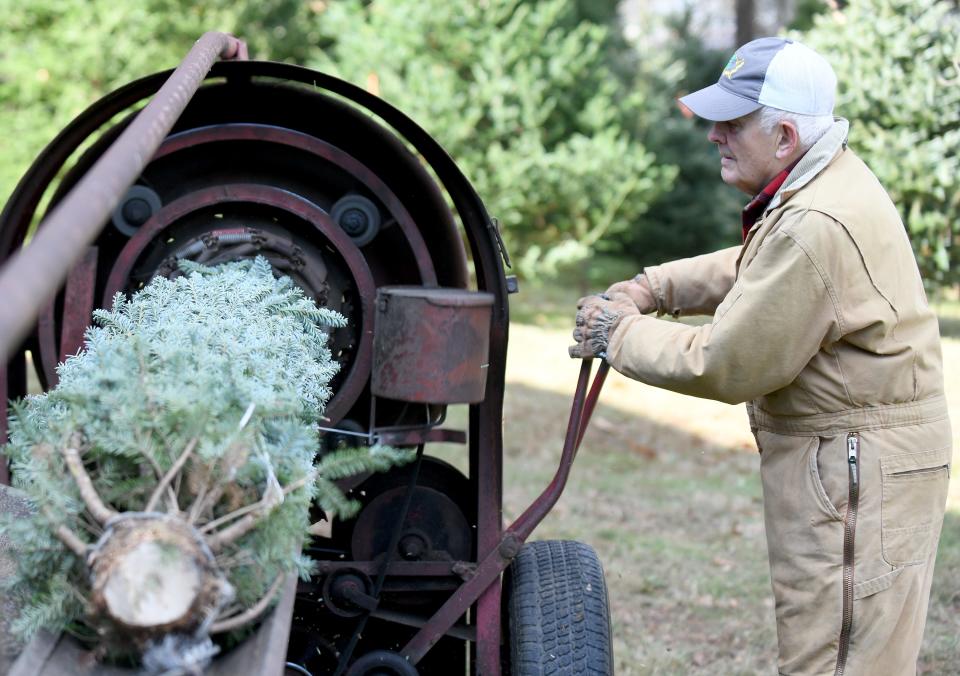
(557, 611)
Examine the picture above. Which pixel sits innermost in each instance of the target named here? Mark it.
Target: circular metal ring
(359, 371)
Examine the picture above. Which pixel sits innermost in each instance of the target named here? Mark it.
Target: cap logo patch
(733, 65)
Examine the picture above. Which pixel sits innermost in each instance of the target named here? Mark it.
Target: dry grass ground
(666, 488)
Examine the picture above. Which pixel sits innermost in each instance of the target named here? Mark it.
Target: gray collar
(814, 161)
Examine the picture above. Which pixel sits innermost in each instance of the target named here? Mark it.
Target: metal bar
(459, 631)
(497, 560)
(32, 276)
(534, 514)
(488, 641)
(421, 436)
(486, 470)
(591, 402)
(395, 569)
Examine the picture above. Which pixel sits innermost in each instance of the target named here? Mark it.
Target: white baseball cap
(773, 72)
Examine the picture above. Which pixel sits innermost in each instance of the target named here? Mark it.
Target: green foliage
(531, 98)
(898, 70)
(525, 100)
(700, 213)
(59, 56)
(228, 359)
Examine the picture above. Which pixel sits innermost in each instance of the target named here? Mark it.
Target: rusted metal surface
(431, 345)
(323, 150)
(421, 436)
(77, 308)
(78, 303)
(485, 442)
(434, 529)
(32, 276)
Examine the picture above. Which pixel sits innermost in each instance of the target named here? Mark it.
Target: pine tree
(178, 446)
(524, 97)
(898, 74)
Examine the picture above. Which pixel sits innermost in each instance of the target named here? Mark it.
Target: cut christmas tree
(172, 470)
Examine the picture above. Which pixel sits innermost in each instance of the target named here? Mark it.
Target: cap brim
(716, 104)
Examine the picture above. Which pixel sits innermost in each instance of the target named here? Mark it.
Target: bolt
(137, 211)
(412, 546)
(354, 221)
(510, 546)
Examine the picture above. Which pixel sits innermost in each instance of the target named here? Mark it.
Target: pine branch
(168, 477)
(250, 614)
(88, 493)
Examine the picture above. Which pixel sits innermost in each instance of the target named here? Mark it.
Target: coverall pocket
(821, 461)
(911, 508)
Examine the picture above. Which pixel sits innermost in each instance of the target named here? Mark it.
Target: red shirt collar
(755, 208)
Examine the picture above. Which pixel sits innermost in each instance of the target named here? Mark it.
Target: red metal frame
(347, 395)
(495, 546)
(497, 560)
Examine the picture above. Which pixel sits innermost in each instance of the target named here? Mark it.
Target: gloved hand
(639, 291)
(597, 318)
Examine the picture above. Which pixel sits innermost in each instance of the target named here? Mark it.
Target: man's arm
(773, 321)
(692, 286)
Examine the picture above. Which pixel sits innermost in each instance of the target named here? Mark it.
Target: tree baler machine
(369, 216)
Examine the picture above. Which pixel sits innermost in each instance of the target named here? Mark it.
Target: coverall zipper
(850, 530)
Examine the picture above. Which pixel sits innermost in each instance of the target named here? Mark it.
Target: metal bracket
(494, 226)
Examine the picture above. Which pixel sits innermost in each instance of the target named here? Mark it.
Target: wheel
(382, 663)
(558, 614)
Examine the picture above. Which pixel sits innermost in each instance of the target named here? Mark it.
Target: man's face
(748, 159)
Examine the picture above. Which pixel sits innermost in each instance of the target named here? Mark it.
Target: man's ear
(788, 139)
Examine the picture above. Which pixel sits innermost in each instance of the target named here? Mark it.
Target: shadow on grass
(677, 523)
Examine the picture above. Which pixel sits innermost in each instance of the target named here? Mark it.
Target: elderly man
(821, 324)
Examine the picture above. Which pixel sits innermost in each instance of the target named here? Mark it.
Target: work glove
(639, 291)
(597, 318)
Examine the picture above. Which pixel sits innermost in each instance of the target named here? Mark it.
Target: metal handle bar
(499, 558)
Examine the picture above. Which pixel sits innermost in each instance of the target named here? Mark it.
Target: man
(821, 324)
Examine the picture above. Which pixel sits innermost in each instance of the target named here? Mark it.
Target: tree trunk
(746, 13)
(153, 575)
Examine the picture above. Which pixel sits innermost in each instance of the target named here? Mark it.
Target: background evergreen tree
(523, 96)
(898, 71)
(700, 213)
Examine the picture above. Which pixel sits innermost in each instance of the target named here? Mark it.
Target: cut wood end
(154, 583)
(154, 575)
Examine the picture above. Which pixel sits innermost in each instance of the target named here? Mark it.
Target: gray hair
(809, 127)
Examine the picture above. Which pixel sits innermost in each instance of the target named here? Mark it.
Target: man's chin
(728, 176)
(732, 178)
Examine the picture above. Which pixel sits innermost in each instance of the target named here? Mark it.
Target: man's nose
(714, 135)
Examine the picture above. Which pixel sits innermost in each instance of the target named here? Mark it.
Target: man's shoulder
(848, 192)
(847, 221)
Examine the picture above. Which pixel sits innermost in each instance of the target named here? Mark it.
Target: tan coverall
(821, 323)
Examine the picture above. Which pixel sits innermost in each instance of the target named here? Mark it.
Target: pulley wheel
(382, 663)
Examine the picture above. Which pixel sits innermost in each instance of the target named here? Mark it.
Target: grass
(666, 489)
